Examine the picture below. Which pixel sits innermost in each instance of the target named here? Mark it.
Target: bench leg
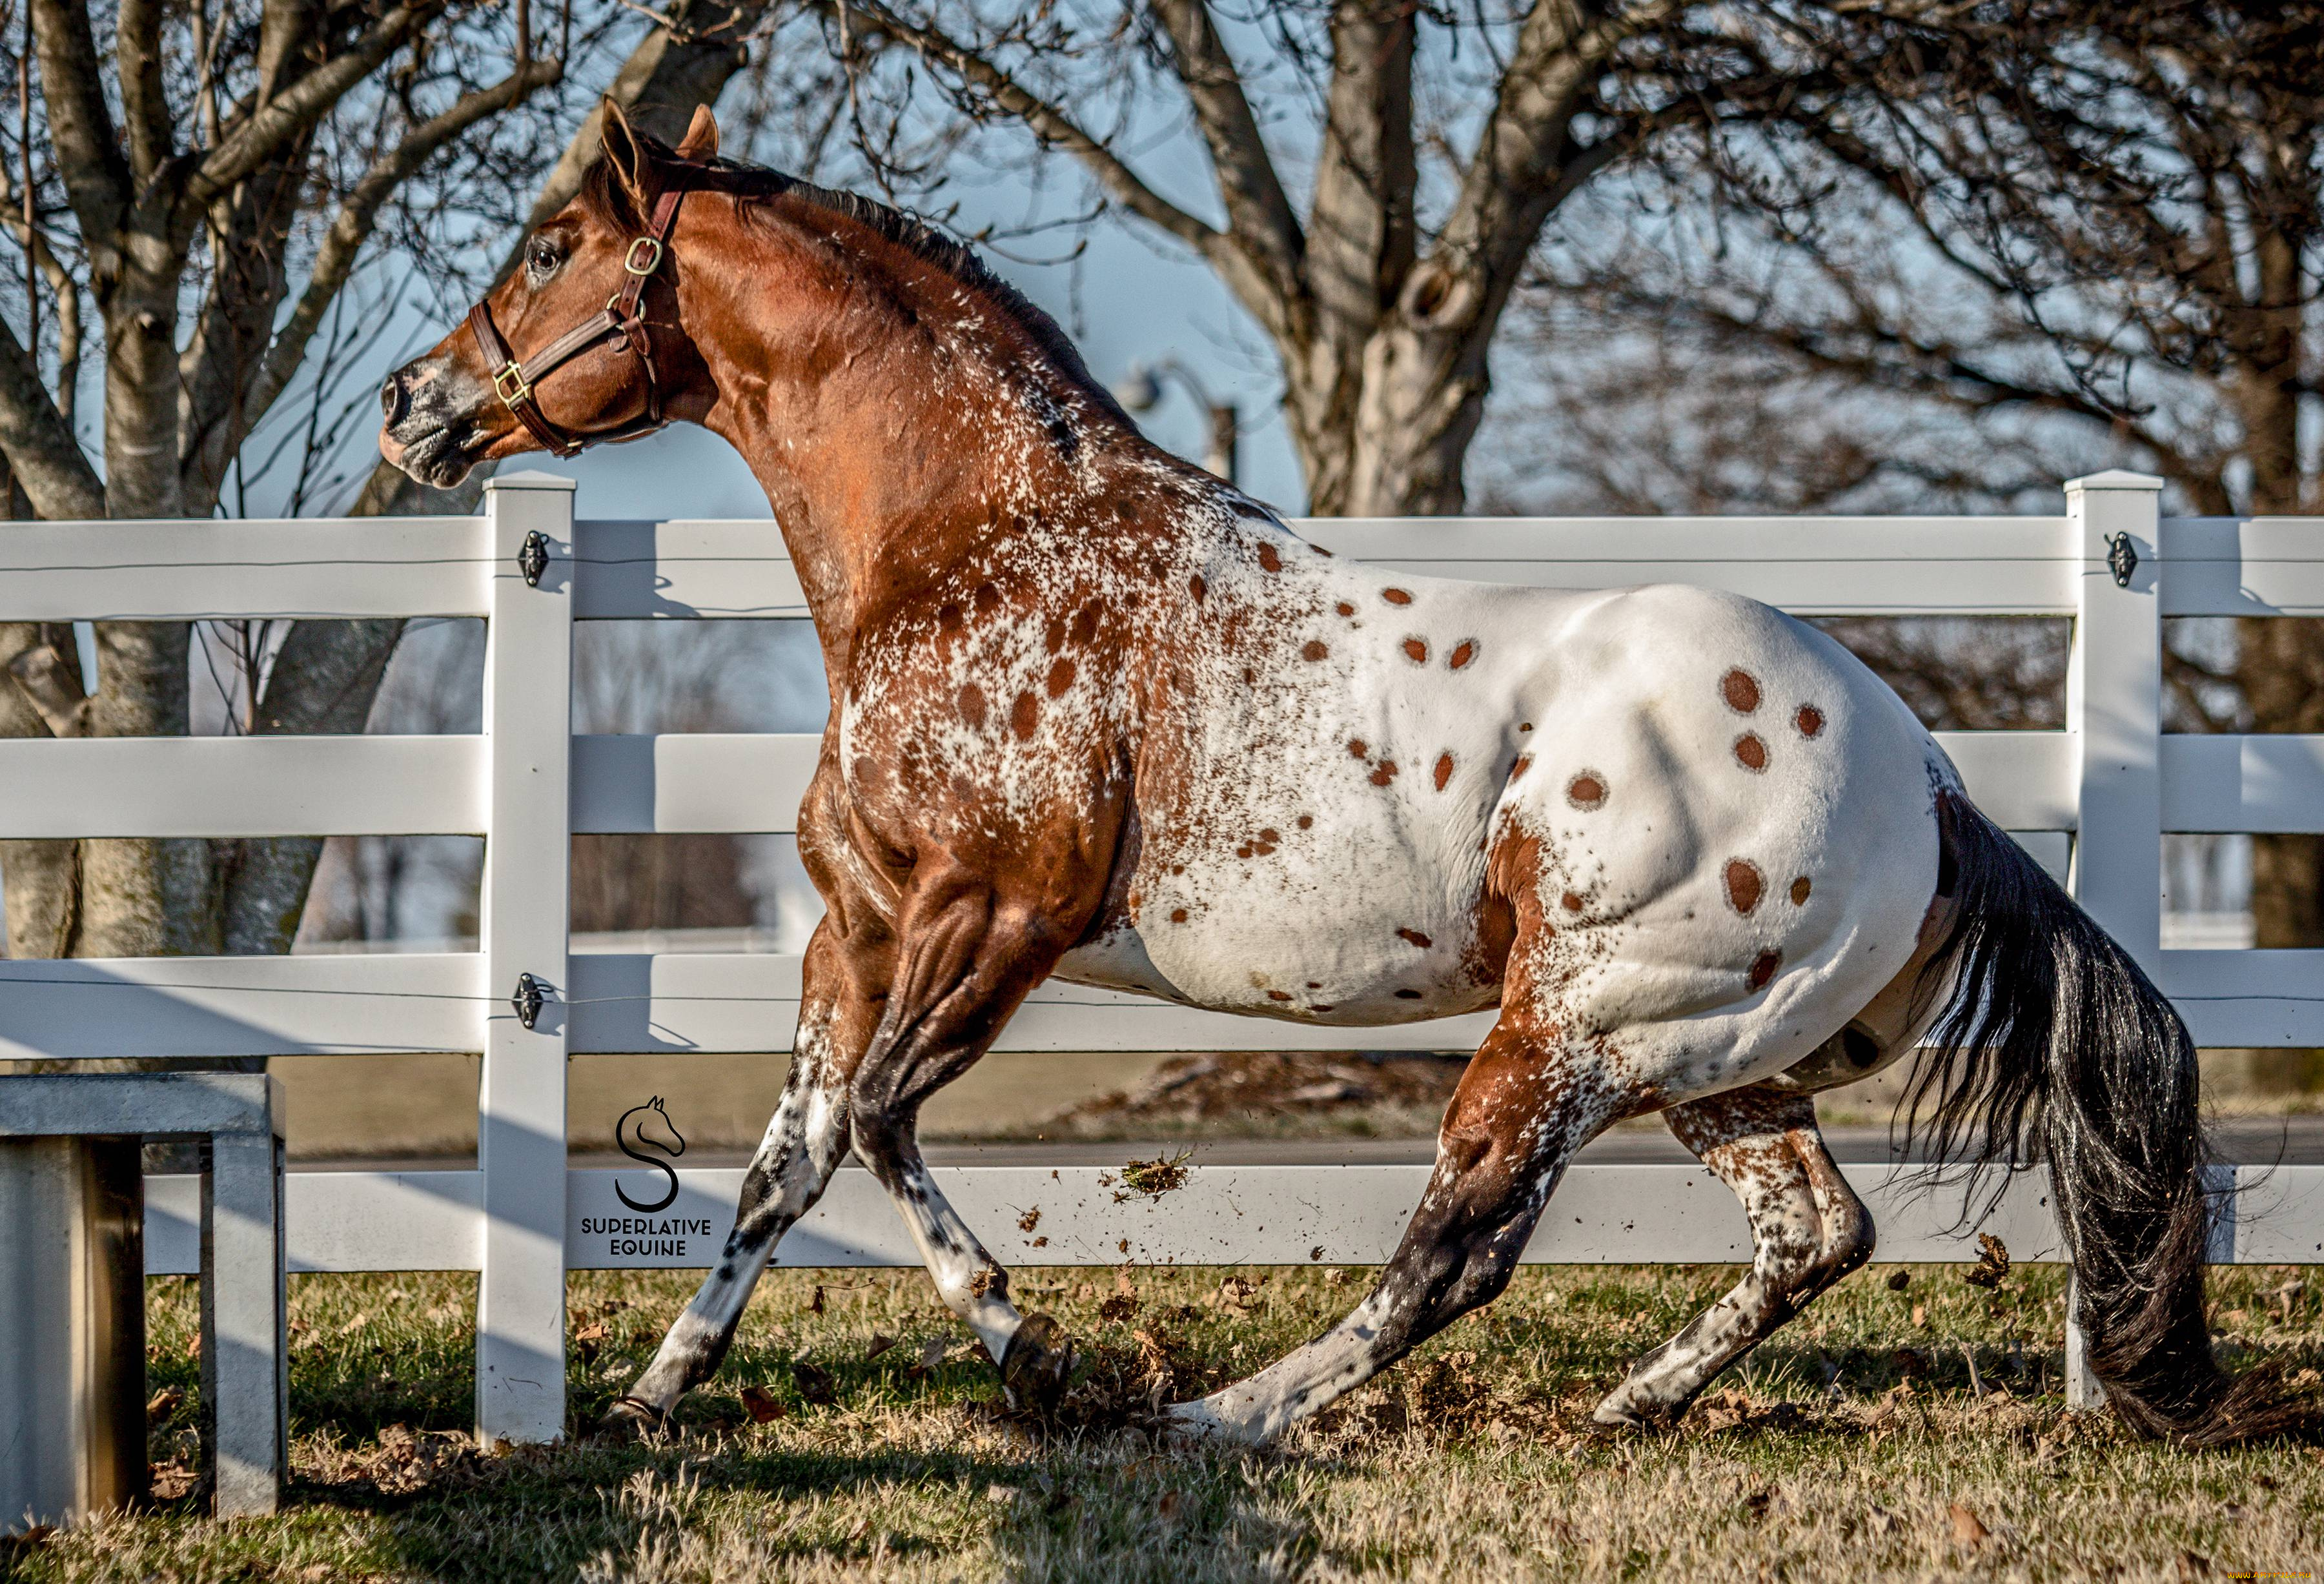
(244, 1359)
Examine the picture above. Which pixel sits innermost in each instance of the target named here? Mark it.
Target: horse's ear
(624, 154)
(701, 139)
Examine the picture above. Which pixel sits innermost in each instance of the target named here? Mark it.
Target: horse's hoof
(631, 1419)
(1036, 1365)
(1651, 1418)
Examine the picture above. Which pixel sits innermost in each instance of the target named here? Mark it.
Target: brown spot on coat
(1744, 884)
(1586, 791)
(1750, 752)
(1270, 834)
(1278, 995)
(1305, 821)
(1809, 720)
(1344, 608)
(950, 619)
(1524, 764)
(987, 599)
(1314, 648)
(1415, 937)
(1061, 677)
(1417, 649)
(1444, 770)
(1024, 715)
(1763, 968)
(972, 705)
(1571, 903)
(1085, 629)
(1384, 773)
(1396, 596)
(1053, 636)
(1465, 651)
(1269, 558)
(1740, 689)
(1358, 749)
(1197, 587)
(1177, 916)
(1800, 889)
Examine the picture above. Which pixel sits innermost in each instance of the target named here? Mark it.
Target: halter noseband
(513, 382)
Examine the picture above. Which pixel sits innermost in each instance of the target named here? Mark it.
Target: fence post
(2114, 707)
(520, 1102)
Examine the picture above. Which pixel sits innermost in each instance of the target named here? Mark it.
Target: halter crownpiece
(513, 382)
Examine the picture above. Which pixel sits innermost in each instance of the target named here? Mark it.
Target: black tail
(2055, 1046)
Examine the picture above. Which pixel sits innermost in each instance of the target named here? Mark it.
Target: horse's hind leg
(804, 1143)
(1521, 1112)
(1808, 1230)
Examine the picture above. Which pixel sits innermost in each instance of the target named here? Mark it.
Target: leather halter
(513, 382)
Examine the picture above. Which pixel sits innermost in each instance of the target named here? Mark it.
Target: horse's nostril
(393, 400)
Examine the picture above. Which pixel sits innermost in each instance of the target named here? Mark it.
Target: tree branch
(1259, 217)
(305, 102)
(1047, 121)
(88, 155)
(39, 444)
(342, 246)
(144, 102)
(1361, 234)
(1518, 173)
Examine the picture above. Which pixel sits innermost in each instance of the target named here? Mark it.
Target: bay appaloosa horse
(1098, 715)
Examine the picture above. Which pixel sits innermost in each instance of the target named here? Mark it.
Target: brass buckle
(653, 256)
(523, 392)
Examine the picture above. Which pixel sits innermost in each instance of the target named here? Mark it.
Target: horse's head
(579, 344)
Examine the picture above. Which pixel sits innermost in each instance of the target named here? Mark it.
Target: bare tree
(212, 181)
(1381, 169)
(2101, 222)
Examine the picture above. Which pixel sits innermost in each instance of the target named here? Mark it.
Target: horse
(1098, 715)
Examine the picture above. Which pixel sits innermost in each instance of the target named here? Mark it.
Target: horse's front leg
(804, 1143)
(969, 945)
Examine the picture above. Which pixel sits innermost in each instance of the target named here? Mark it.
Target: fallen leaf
(815, 1304)
(761, 1405)
(2194, 1565)
(1169, 1507)
(1029, 1219)
(814, 1383)
(164, 1403)
(1899, 1281)
(881, 1343)
(1920, 1314)
(932, 1353)
(1968, 1528)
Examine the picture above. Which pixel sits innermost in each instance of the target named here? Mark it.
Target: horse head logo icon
(622, 1135)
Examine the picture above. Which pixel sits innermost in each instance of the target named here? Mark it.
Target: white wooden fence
(2092, 799)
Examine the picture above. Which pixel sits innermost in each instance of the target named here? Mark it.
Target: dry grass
(1849, 1449)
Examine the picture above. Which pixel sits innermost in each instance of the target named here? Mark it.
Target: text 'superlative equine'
(1097, 714)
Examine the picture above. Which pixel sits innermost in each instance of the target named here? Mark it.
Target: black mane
(751, 185)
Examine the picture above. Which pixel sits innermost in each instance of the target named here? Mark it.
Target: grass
(852, 1435)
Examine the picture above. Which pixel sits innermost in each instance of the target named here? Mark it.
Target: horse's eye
(542, 256)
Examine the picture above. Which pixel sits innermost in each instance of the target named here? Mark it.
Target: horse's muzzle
(422, 420)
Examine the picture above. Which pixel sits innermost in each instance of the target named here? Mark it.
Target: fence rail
(2091, 801)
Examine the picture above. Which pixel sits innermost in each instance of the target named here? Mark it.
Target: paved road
(2271, 1141)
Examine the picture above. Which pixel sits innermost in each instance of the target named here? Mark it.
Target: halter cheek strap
(513, 382)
